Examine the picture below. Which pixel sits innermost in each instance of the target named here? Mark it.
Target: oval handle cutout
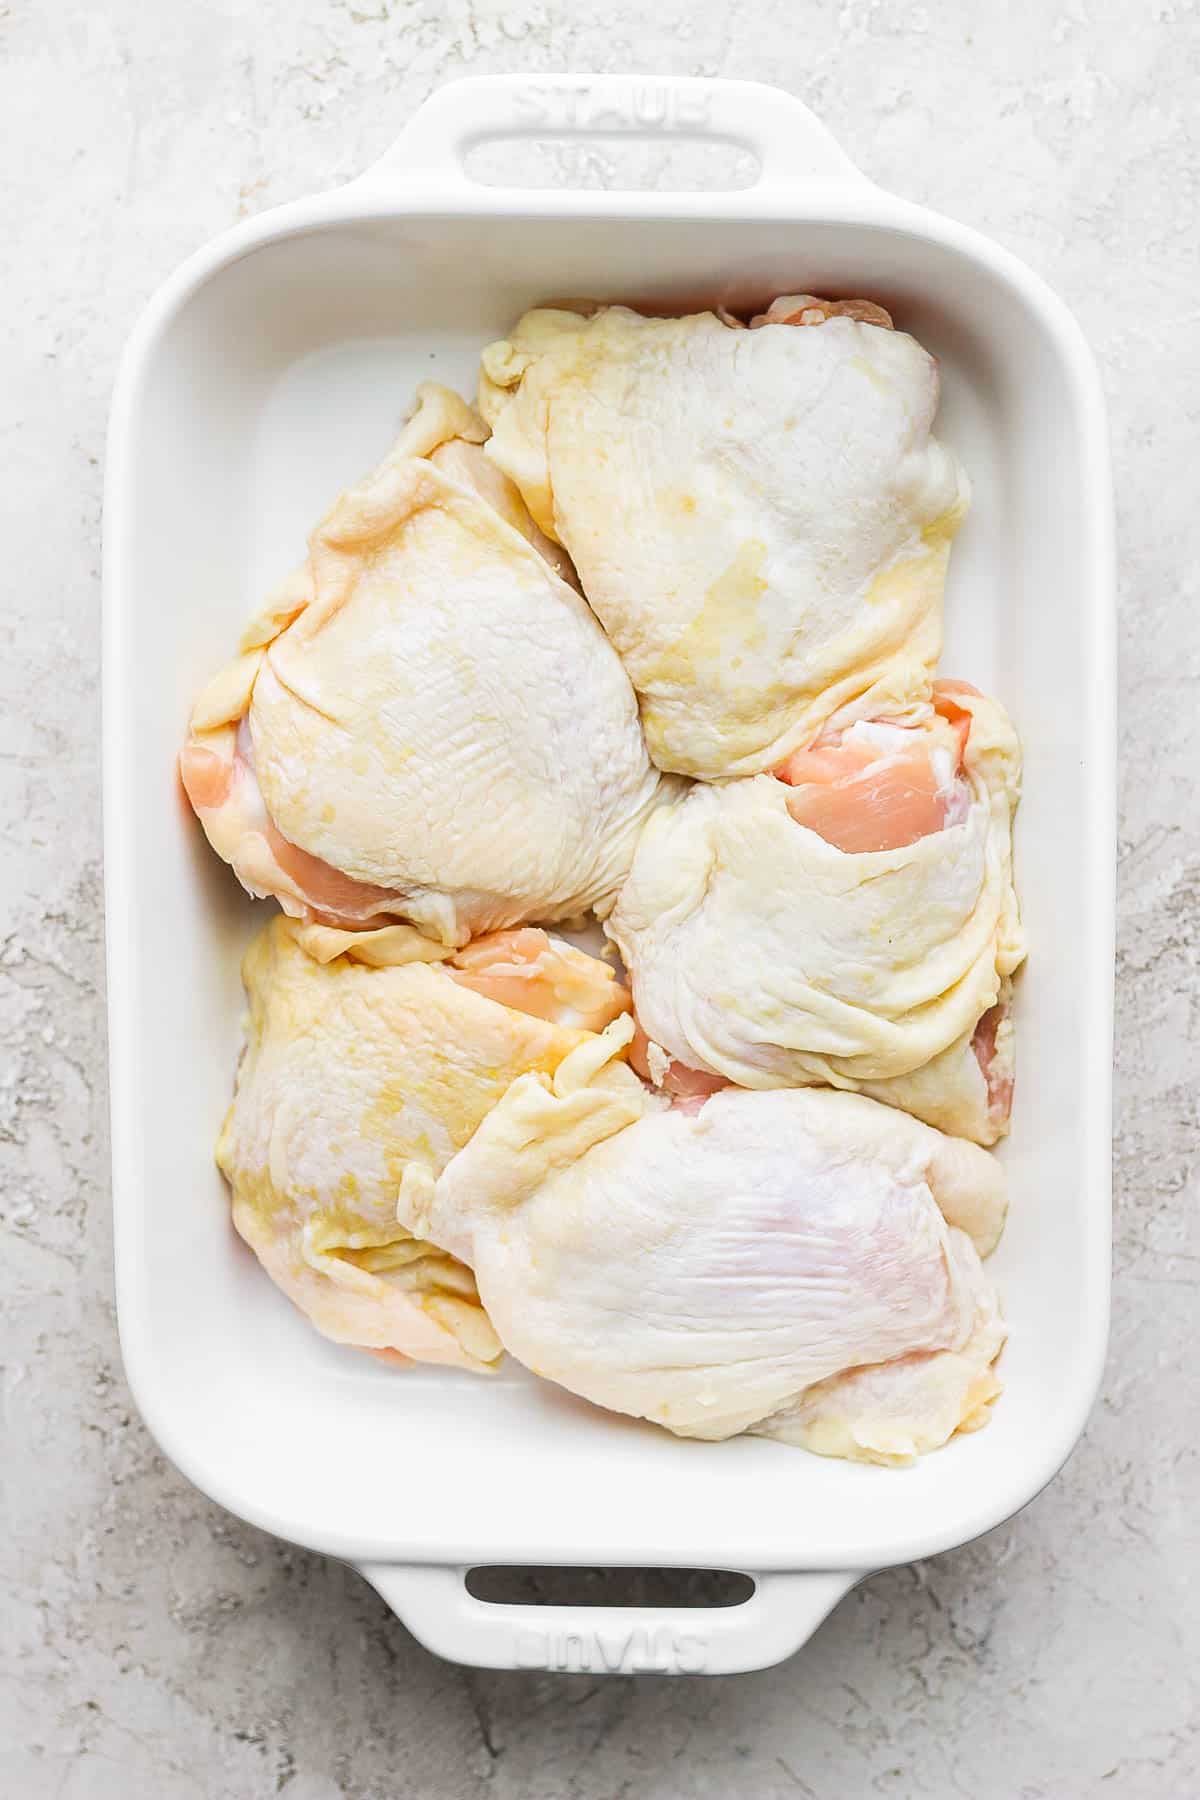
(501, 1584)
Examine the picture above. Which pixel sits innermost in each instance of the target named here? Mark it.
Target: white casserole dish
(269, 372)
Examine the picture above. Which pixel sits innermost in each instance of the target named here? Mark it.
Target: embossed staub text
(644, 1650)
(644, 106)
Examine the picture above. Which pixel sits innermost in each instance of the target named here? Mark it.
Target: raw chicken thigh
(426, 722)
(663, 548)
(803, 1265)
(363, 1051)
(760, 518)
(849, 920)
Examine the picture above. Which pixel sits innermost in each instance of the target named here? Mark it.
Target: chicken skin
(759, 517)
(426, 722)
(802, 1265)
(849, 920)
(363, 1051)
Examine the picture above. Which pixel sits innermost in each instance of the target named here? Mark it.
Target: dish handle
(779, 1617)
(791, 145)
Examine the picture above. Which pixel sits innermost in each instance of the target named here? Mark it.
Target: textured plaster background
(151, 1647)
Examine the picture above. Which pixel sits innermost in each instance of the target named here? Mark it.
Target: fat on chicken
(802, 1264)
(363, 1051)
(849, 920)
(760, 517)
(426, 722)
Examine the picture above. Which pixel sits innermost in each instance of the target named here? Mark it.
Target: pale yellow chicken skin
(760, 518)
(802, 1265)
(367, 1050)
(426, 722)
(437, 1148)
(849, 920)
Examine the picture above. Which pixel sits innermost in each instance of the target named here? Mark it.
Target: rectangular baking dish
(268, 373)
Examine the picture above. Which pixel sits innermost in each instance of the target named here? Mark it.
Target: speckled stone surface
(152, 1648)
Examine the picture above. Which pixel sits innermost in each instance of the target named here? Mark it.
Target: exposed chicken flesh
(810, 309)
(879, 786)
(542, 976)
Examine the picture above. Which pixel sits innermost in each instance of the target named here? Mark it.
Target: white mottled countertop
(153, 1648)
